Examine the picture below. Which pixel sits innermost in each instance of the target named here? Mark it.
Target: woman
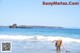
(58, 44)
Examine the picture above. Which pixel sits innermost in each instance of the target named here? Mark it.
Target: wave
(37, 38)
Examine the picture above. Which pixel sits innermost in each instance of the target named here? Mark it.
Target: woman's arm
(63, 47)
(53, 41)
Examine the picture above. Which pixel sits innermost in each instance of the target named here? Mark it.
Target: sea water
(38, 40)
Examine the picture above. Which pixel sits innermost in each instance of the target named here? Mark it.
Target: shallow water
(41, 47)
(38, 40)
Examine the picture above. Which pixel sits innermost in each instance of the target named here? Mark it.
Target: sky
(32, 12)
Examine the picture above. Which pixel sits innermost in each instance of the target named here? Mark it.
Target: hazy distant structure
(13, 26)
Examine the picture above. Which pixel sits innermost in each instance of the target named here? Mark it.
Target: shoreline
(25, 26)
(34, 26)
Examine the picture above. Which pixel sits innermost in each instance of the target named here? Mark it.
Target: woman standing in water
(58, 44)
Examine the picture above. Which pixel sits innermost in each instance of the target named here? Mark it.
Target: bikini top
(58, 43)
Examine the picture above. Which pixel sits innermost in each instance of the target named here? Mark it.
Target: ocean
(38, 40)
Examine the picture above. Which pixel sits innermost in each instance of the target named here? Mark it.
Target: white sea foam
(37, 38)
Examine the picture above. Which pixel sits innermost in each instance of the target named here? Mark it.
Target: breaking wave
(37, 38)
